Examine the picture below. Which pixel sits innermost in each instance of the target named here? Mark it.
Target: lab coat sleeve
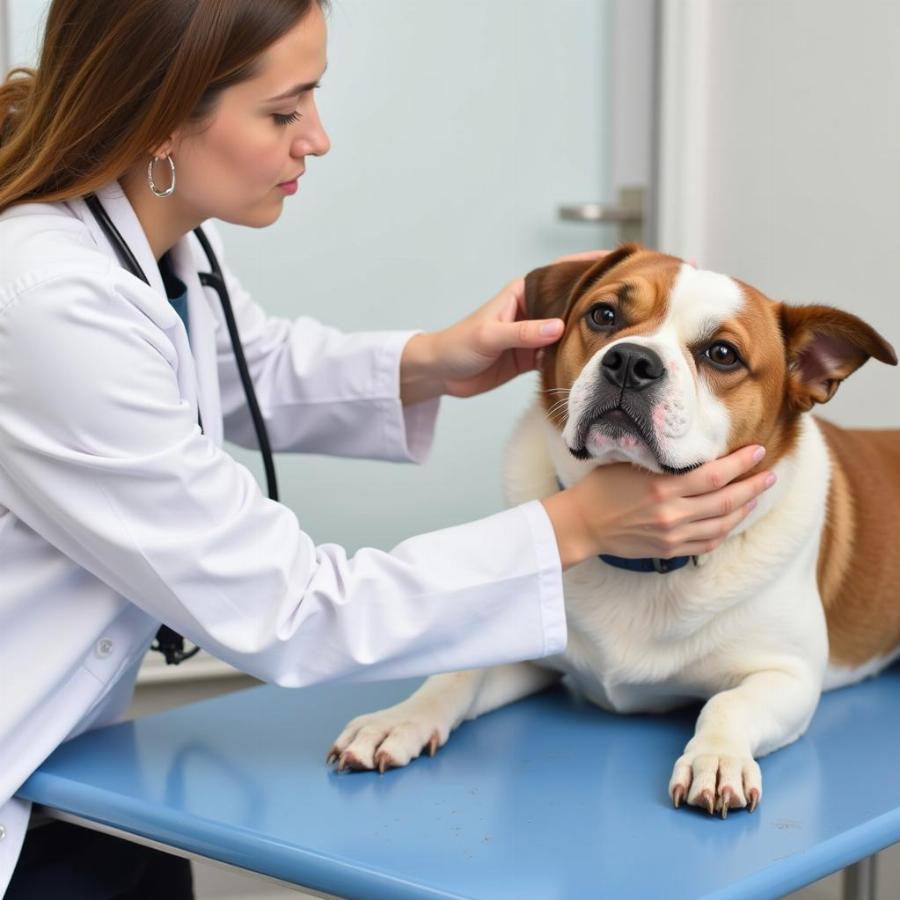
(101, 456)
(319, 390)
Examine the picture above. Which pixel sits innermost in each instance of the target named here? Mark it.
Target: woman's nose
(313, 140)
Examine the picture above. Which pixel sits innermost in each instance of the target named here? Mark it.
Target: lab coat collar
(125, 219)
(201, 362)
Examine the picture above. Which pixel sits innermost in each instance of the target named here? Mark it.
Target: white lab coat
(117, 513)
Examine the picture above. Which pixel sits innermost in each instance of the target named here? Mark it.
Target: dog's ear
(550, 290)
(823, 346)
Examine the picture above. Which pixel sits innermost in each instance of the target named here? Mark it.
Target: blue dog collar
(660, 566)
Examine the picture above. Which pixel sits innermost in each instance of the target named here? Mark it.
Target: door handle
(600, 212)
(628, 213)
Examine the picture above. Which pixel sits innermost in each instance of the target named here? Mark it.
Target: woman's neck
(165, 220)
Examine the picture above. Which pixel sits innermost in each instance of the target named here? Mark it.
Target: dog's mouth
(618, 423)
(626, 428)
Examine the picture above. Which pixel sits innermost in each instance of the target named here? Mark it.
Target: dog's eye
(722, 356)
(601, 317)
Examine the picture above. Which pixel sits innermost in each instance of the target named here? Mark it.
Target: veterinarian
(119, 380)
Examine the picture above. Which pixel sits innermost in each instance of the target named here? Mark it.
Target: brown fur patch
(859, 559)
(757, 416)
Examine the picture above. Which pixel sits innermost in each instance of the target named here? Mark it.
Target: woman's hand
(625, 511)
(486, 349)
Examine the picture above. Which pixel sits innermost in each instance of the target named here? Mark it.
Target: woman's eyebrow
(297, 89)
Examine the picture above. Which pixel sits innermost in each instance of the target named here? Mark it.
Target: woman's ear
(166, 148)
(823, 346)
(551, 290)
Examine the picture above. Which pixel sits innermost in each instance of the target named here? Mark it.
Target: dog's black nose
(632, 366)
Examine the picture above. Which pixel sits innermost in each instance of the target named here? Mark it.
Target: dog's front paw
(387, 739)
(716, 777)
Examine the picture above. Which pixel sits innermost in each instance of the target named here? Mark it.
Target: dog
(668, 366)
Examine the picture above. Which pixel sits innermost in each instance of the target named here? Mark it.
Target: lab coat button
(2, 832)
(104, 648)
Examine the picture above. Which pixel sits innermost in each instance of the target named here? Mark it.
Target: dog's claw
(726, 802)
(434, 744)
(678, 795)
(754, 799)
(346, 761)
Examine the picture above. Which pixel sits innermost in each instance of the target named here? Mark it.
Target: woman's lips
(289, 187)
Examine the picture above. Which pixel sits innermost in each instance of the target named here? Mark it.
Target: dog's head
(668, 366)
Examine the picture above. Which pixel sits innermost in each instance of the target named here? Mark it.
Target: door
(778, 160)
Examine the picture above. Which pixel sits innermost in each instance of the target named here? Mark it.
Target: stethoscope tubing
(216, 280)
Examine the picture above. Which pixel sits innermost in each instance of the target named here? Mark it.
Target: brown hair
(116, 78)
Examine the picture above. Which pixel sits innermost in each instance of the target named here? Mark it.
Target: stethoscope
(168, 641)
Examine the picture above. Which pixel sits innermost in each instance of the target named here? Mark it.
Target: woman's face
(242, 164)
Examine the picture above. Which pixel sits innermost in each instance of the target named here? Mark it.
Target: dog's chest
(642, 642)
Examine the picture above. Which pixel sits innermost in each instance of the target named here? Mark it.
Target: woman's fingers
(704, 536)
(704, 520)
(528, 334)
(718, 527)
(505, 325)
(728, 499)
(713, 476)
(583, 255)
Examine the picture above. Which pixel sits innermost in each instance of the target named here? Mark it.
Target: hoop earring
(153, 185)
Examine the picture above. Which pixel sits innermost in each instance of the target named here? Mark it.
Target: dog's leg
(765, 711)
(392, 737)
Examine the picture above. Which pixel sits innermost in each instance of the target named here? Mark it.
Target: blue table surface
(547, 798)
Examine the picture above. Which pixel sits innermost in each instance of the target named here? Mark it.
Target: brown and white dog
(668, 366)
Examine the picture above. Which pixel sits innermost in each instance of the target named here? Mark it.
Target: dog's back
(859, 559)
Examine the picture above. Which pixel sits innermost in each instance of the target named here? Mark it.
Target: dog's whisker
(559, 405)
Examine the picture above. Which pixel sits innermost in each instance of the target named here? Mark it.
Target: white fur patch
(700, 302)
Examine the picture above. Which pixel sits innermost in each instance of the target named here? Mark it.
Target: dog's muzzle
(623, 397)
